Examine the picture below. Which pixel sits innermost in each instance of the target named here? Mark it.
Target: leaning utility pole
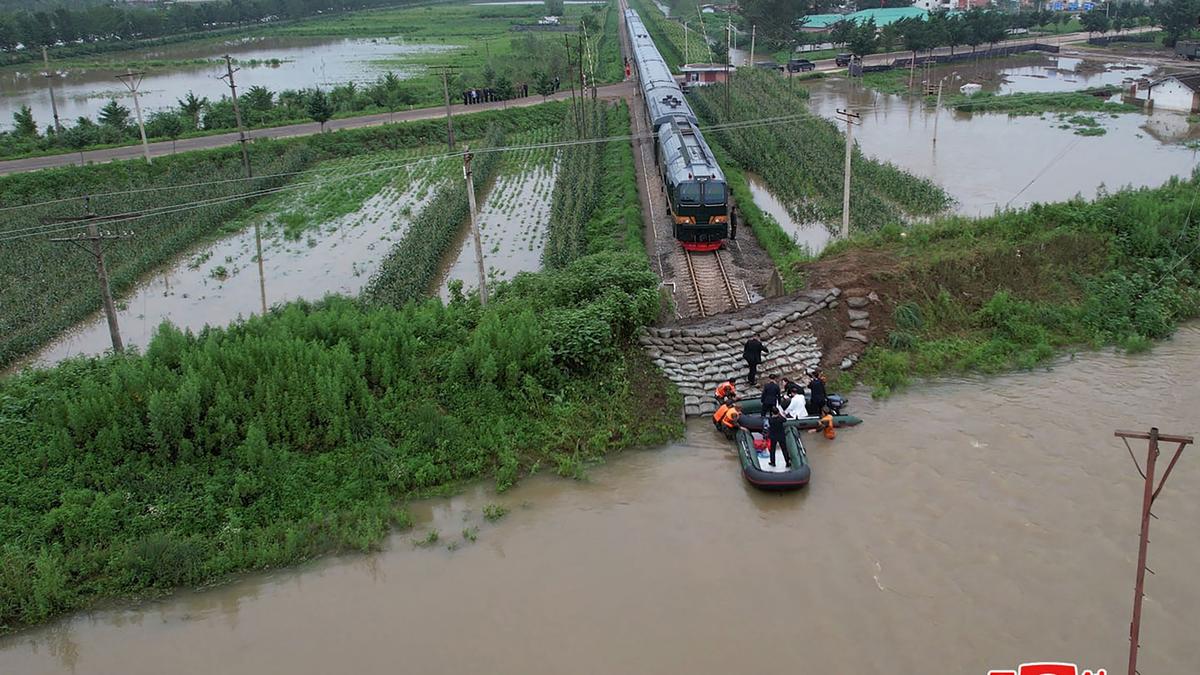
(1149, 494)
(50, 83)
(483, 293)
(96, 239)
(728, 56)
(449, 117)
(237, 117)
(132, 81)
(852, 118)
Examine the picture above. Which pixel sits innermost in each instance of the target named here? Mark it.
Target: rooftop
(882, 17)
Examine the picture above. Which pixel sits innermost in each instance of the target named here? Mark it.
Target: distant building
(1173, 92)
(548, 21)
(819, 23)
(700, 74)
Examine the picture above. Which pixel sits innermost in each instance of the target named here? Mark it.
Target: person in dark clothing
(792, 388)
(770, 396)
(775, 436)
(733, 221)
(753, 352)
(816, 386)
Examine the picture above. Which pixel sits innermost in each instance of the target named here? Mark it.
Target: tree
(589, 24)
(192, 107)
(504, 88)
(862, 40)
(114, 115)
(319, 109)
(1177, 18)
(543, 84)
(774, 18)
(955, 32)
(24, 124)
(554, 7)
(80, 136)
(165, 123)
(841, 32)
(1094, 22)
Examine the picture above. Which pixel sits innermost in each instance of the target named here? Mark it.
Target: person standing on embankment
(752, 353)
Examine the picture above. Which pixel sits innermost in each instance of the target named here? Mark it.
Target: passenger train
(697, 196)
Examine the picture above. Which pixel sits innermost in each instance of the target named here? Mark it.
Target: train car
(697, 196)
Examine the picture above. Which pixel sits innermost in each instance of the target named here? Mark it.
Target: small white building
(1173, 92)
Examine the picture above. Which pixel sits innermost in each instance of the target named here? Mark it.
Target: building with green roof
(882, 17)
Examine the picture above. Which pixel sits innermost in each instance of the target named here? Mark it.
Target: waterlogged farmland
(512, 220)
(325, 235)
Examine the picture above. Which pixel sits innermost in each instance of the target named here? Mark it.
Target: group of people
(781, 399)
(487, 94)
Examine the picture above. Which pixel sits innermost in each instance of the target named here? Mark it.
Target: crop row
(577, 191)
(802, 159)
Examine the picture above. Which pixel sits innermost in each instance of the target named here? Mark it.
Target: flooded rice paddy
(218, 282)
(1034, 72)
(513, 222)
(1010, 535)
(276, 63)
(811, 235)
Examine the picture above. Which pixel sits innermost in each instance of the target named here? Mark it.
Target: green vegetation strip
(1012, 290)
(802, 160)
(1035, 103)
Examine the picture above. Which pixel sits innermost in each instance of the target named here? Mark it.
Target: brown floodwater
(216, 283)
(989, 161)
(276, 63)
(967, 525)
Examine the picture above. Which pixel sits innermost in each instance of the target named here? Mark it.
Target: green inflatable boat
(756, 466)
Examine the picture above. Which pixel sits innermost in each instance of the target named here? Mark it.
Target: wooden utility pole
(449, 117)
(852, 118)
(95, 239)
(132, 81)
(1149, 494)
(237, 117)
(483, 292)
(50, 83)
(686, 52)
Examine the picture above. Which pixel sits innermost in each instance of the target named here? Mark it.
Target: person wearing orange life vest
(727, 391)
(720, 414)
(825, 426)
(729, 420)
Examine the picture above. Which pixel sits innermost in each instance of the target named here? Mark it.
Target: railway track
(713, 291)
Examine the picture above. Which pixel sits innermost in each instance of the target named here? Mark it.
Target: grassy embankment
(1013, 290)
(48, 288)
(289, 435)
(801, 160)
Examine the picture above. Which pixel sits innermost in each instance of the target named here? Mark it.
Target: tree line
(972, 28)
(64, 25)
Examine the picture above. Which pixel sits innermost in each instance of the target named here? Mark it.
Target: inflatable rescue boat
(756, 466)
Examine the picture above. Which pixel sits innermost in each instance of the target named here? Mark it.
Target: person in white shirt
(796, 409)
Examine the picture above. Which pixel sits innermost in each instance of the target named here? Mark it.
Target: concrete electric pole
(483, 292)
(50, 83)
(132, 81)
(852, 118)
(237, 116)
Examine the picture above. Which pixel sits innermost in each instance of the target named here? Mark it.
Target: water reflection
(810, 235)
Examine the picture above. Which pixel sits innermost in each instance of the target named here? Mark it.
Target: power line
(11, 235)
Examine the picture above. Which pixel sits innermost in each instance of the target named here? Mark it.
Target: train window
(689, 193)
(714, 194)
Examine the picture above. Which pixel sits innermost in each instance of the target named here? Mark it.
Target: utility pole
(571, 78)
(686, 52)
(449, 117)
(483, 292)
(132, 81)
(50, 83)
(937, 111)
(728, 56)
(753, 30)
(237, 116)
(852, 118)
(95, 238)
(1150, 493)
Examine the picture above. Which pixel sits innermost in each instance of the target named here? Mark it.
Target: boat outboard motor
(835, 403)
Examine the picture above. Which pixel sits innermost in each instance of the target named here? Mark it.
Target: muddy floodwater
(966, 526)
(276, 63)
(990, 161)
(1036, 72)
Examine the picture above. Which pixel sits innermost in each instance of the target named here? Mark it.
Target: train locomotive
(697, 196)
